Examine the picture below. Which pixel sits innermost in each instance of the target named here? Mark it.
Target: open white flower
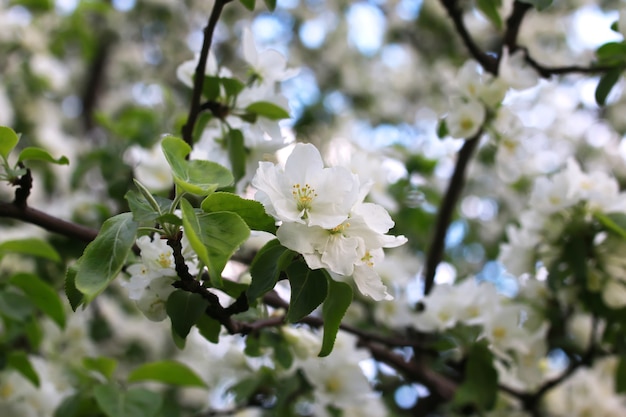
(465, 118)
(269, 65)
(306, 192)
(515, 71)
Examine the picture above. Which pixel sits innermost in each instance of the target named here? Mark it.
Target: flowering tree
(312, 208)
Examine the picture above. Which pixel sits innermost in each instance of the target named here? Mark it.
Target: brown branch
(513, 24)
(194, 109)
(446, 210)
(489, 63)
(48, 222)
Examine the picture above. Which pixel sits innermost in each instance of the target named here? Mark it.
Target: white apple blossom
(515, 71)
(268, 66)
(465, 118)
(304, 191)
(187, 70)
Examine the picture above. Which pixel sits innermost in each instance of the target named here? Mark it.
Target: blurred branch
(489, 63)
(513, 24)
(95, 79)
(198, 83)
(48, 222)
(446, 210)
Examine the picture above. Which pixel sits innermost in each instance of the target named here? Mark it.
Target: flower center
(339, 229)
(304, 196)
(368, 259)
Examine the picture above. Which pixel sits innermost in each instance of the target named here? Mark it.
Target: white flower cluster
(151, 280)
(553, 205)
(324, 217)
(514, 329)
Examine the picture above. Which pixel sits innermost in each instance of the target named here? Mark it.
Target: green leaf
(209, 328)
(39, 154)
(184, 308)
(308, 290)
(77, 405)
(134, 402)
(211, 88)
(268, 110)
(237, 153)
(42, 295)
(19, 361)
(104, 257)
(102, 364)
(607, 81)
(214, 237)
(8, 140)
(75, 297)
(15, 306)
(232, 86)
(613, 222)
(252, 212)
(442, 129)
(335, 306)
(490, 10)
(196, 177)
(480, 385)
(271, 4)
(611, 53)
(35, 247)
(620, 376)
(167, 372)
(248, 4)
(266, 267)
(538, 4)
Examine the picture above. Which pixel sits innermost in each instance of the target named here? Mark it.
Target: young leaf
(19, 361)
(209, 328)
(308, 290)
(196, 177)
(266, 267)
(167, 372)
(248, 4)
(252, 212)
(214, 237)
(15, 305)
(268, 110)
(613, 222)
(75, 297)
(236, 153)
(104, 257)
(8, 140)
(480, 385)
(39, 154)
(335, 306)
(184, 309)
(134, 402)
(102, 364)
(35, 247)
(42, 295)
(490, 10)
(607, 81)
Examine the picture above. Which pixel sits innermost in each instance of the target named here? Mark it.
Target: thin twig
(198, 83)
(446, 210)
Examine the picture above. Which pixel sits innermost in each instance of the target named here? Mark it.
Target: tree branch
(48, 222)
(446, 210)
(513, 24)
(489, 63)
(194, 109)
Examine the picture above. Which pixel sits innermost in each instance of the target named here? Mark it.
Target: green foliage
(490, 10)
(620, 376)
(606, 84)
(613, 222)
(196, 177)
(104, 257)
(38, 154)
(271, 4)
(252, 212)
(214, 237)
(184, 309)
(8, 140)
(209, 328)
(34, 247)
(337, 301)
(74, 296)
(248, 4)
(15, 305)
(134, 402)
(42, 295)
(237, 153)
(268, 110)
(308, 290)
(167, 372)
(104, 365)
(19, 361)
(480, 384)
(266, 267)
